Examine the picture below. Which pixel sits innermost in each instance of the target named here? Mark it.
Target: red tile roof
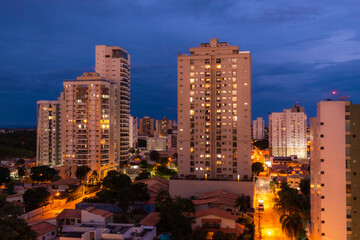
(43, 228)
(99, 212)
(216, 212)
(219, 193)
(69, 213)
(152, 219)
(215, 200)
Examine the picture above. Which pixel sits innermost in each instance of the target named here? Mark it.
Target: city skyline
(318, 52)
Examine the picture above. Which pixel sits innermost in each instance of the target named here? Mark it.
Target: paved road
(56, 211)
(269, 222)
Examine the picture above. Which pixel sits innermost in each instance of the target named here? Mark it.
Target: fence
(43, 209)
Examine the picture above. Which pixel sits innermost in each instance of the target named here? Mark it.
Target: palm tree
(291, 225)
(243, 202)
(94, 178)
(81, 172)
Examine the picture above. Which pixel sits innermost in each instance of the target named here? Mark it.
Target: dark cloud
(300, 50)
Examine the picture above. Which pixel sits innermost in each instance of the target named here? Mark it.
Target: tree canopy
(11, 226)
(257, 167)
(43, 174)
(143, 175)
(82, 172)
(36, 197)
(176, 216)
(4, 175)
(116, 180)
(305, 186)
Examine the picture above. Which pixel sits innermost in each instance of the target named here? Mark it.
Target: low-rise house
(72, 217)
(214, 219)
(44, 230)
(64, 184)
(215, 202)
(68, 217)
(98, 231)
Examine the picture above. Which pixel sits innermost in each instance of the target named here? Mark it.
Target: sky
(301, 50)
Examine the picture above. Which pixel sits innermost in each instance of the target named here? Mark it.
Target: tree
(141, 193)
(144, 164)
(43, 174)
(176, 216)
(243, 202)
(4, 175)
(305, 186)
(11, 226)
(291, 225)
(164, 172)
(82, 172)
(116, 180)
(36, 197)
(261, 144)
(10, 186)
(21, 171)
(20, 162)
(143, 175)
(272, 186)
(257, 167)
(154, 156)
(175, 156)
(94, 178)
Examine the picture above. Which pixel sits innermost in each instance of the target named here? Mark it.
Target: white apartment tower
(214, 112)
(113, 64)
(90, 127)
(287, 133)
(49, 133)
(335, 182)
(258, 129)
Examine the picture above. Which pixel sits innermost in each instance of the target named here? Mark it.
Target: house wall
(225, 222)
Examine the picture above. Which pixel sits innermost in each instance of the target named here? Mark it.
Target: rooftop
(69, 213)
(43, 228)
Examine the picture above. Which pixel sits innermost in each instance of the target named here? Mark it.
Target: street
(269, 221)
(56, 211)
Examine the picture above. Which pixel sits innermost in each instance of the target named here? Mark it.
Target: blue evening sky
(301, 50)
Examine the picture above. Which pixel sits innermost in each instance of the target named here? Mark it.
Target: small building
(64, 184)
(151, 219)
(68, 217)
(44, 230)
(98, 231)
(214, 219)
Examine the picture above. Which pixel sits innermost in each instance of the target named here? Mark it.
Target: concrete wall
(188, 188)
(43, 209)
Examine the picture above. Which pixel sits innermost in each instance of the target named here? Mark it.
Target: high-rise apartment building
(146, 126)
(335, 178)
(134, 129)
(163, 127)
(49, 133)
(90, 127)
(113, 64)
(287, 133)
(258, 128)
(214, 112)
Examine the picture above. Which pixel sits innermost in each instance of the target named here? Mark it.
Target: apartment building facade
(287, 133)
(147, 126)
(49, 133)
(113, 64)
(214, 112)
(335, 182)
(258, 128)
(90, 128)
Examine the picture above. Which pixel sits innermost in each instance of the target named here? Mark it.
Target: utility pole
(259, 226)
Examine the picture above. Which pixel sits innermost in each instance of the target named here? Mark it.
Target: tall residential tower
(287, 133)
(258, 128)
(214, 112)
(113, 64)
(335, 167)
